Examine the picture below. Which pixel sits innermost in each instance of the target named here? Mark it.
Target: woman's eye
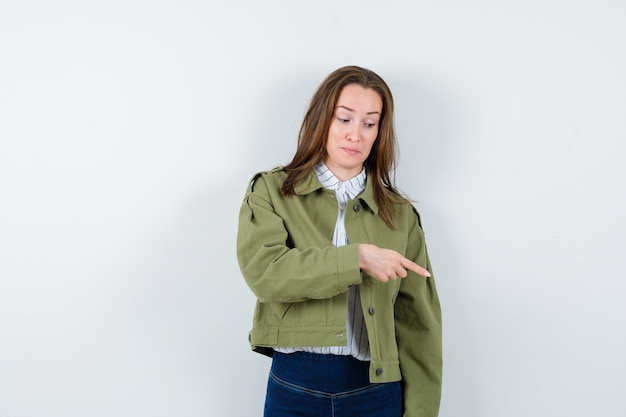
(370, 124)
(343, 120)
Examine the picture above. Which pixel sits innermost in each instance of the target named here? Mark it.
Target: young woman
(347, 305)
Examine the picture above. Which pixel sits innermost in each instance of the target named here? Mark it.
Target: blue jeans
(311, 385)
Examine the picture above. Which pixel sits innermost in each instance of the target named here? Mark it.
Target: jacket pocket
(280, 309)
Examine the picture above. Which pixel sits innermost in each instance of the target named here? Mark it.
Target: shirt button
(372, 310)
(379, 371)
(357, 207)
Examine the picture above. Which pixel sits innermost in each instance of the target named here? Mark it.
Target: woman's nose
(353, 133)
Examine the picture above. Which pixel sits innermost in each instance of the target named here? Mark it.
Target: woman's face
(353, 130)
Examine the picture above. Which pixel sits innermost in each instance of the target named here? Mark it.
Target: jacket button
(379, 371)
(372, 310)
(357, 207)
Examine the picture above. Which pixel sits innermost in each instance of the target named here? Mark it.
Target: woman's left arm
(418, 331)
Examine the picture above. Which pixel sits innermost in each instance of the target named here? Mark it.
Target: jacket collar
(311, 183)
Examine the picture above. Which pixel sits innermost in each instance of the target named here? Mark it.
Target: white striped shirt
(358, 345)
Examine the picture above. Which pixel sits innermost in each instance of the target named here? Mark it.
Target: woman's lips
(350, 151)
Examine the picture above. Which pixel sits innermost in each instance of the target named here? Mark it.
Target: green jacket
(301, 280)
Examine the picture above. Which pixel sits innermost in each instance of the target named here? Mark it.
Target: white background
(129, 131)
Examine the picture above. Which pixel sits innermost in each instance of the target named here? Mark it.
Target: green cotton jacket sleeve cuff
(276, 271)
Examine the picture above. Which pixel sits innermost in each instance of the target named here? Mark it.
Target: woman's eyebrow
(349, 109)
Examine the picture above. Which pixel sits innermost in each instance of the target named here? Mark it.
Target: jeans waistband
(327, 373)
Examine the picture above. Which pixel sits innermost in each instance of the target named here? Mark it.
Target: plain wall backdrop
(129, 131)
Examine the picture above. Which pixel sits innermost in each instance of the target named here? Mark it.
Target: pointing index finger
(416, 268)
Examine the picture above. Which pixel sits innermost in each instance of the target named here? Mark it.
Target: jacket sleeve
(418, 332)
(276, 272)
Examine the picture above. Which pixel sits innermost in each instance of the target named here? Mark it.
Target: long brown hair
(381, 162)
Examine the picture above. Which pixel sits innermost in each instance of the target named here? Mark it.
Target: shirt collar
(312, 183)
(350, 188)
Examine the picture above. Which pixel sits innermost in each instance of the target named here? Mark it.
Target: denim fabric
(313, 385)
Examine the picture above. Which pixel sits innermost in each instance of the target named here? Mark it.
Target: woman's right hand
(385, 264)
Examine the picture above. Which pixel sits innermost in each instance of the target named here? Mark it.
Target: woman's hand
(385, 264)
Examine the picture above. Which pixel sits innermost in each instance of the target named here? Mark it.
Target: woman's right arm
(276, 272)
